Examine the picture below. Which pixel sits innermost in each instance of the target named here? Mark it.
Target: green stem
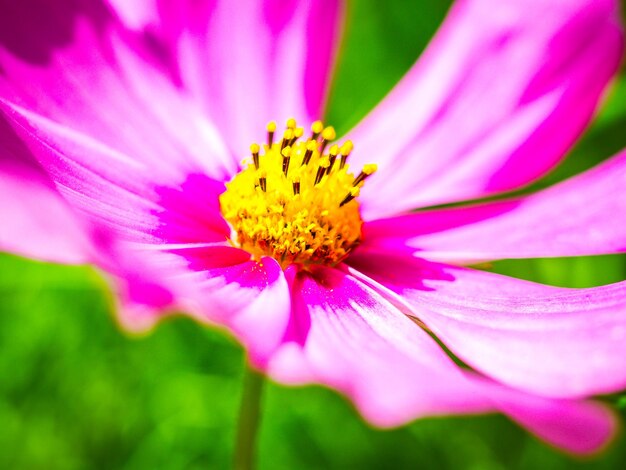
(249, 417)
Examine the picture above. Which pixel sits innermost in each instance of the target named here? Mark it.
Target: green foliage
(77, 393)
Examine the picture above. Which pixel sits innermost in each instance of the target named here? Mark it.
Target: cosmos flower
(123, 130)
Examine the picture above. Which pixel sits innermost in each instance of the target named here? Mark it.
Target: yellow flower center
(296, 200)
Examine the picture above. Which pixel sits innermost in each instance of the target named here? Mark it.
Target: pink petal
(252, 300)
(36, 222)
(73, 63)
(166, 241)
(346, 336)
(495, 102)
(349, 337)
(546, 340)
(219, 285)
(139, 14)
(140, 216)
(256, 61)
(576, 426)
(133, 200)
(576, 217)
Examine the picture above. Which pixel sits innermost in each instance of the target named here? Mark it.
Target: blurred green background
(76, 393)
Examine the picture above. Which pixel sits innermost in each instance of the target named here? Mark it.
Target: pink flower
(120, 126)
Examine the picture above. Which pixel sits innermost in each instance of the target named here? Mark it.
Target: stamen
(354, 192)
(286, 153)
(291, 123)
(316, 128)
(310, 148)
(297, 133)
(367, 171)
(254, 148)
(346, 148)
(334, 150)
(271, 128)
(263, 181)
(328, 134)
(321, 171)
(287, 136)
(296, 186)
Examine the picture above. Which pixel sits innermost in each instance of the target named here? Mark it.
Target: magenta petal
(576, 426)
(118, 194)
(546, 340)
(273, 60)
(348, 336)
(252, 300)
(216, 284)
(73, 63)
(576, 217)
(495, 102)
(36, 222)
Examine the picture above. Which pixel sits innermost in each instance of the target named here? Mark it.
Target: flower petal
(36, 221)
(73, 63)
(252, 300)
(138, 216)
(576, 217)
(255, 61)
(133, 200)
(495, 102)
(349, 337)
(580, 427)
(167, 243)
(346, 336)
(218, 285)
(546, 340)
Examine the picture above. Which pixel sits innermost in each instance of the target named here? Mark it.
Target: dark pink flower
(121, 123)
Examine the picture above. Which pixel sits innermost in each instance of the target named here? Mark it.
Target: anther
(287, 136)
(346, 148)
(296, 186)
(354, 192)
(271, 128)
(254, 148)
(297, 133)
(310, 148)
(367, 170)
(321, 171)
(291, 123)
(328, 134)
(286, 153)
(316, 128)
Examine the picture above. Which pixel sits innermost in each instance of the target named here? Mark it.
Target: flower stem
(249, 417)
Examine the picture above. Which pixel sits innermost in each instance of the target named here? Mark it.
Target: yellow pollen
(293, 202)
(329, 133)
(271, 128)
(345, 150)
(317, 127)
(370, 168)
(255, 149)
